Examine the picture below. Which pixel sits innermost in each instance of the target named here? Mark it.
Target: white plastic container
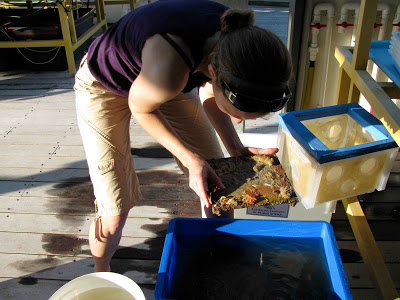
(99, 286)
(396, 59)
(334, 152)
(395, 40)
(321, 212)
(394, 49)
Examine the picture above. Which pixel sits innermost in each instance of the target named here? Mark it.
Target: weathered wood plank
(33, 121)
(44, 130)
(350, 253)
(49, 162)
(362, 294)
(175, 177)
(37, 163)
(17, 99)
(393, 180)
(65, 138)
(27, 80)
(373, 211)
(52, 244)
(22, 135)
(28, 288)
(74, 224)
(54, 129)
(19, 93)
(35, 114)
(56, 149)
(68, 268)
(29, 86)
(142, 163)
(66, 162)
(23, 106)
(146, 177)
(41, 106)
(74, 162)
(64, 105)
(146, 208)
(84, 190)
(7, 129)
(34, 75)
(388, 195)
(76, 245)
(59, 96)
(382, 230)
(48, 205)
(46, 175)
(39, 139)
(40, 150)
(357, 275)
(15, 113)
(12, 188)
(396, 166)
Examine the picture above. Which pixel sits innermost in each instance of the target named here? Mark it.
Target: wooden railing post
(347, 91)
(69, 52)
(369, 249)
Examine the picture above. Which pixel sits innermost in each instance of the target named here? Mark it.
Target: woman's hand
(252, 150)
(200, 173)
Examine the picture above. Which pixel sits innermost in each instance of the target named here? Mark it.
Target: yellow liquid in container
(105, 293)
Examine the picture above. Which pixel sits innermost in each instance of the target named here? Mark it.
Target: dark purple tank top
(114, 58)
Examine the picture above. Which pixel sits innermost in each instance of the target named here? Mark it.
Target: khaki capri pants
(104, 121)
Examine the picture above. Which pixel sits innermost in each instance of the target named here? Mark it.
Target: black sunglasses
(248, 103)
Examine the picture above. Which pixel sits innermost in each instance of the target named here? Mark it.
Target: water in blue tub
(251, 267)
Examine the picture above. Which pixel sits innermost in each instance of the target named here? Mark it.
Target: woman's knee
(111, 225)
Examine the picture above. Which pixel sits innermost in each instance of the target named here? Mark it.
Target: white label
(277, 211)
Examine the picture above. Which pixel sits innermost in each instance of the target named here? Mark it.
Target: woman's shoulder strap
(179, 50)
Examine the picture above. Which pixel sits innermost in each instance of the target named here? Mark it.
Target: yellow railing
(70, 41)
(353, 81)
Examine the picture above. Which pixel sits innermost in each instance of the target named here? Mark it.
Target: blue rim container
(181, 228)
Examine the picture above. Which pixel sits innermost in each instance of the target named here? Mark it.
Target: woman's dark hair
(249, 54)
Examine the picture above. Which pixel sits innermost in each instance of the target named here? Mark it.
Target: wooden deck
(46, 198)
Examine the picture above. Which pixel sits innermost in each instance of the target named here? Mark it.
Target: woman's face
(227, 107)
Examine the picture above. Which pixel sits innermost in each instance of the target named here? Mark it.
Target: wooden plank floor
(46, 198)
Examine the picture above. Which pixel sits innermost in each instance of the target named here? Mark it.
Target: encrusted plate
(254, 180)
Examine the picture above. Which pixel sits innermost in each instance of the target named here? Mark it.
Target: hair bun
(234, 19)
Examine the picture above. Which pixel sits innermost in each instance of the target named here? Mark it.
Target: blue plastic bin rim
(291, 122)
(305, 229)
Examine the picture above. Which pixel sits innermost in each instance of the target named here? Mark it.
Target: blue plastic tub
(250, 259)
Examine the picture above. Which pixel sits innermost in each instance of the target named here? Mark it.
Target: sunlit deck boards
(46, 199)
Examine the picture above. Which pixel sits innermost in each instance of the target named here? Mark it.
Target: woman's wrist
(189, 158)
(235, 147)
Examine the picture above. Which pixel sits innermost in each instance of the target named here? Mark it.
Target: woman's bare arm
(163, 75)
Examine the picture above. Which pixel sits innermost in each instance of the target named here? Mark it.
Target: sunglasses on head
(248, 103)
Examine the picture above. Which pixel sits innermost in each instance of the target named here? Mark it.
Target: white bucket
(100, 286)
